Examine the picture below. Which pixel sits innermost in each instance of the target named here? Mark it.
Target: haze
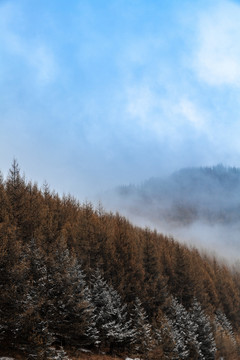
(94, 94)
(198, 206)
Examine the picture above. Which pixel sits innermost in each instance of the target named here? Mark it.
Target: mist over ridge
(197, 205)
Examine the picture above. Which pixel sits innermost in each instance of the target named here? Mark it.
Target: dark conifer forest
(76, 277)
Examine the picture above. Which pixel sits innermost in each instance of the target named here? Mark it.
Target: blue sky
(98, 93)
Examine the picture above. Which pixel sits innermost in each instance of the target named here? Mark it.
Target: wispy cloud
(217, 51)
(120, 87)
(142, 105)
(33, 52)
(191, 113)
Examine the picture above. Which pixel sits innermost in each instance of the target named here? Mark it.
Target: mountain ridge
(211, 194)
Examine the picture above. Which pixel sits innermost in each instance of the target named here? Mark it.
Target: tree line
(73, 276)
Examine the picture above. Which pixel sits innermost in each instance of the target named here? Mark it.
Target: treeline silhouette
(73, 276)
(208, 194)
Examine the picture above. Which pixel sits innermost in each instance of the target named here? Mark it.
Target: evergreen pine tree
(155, 284)
(183, 330)
(72, 314)
(16, 190)
(143, 340)
(61, 355)
(111, 315)
(35, 304)
(222, 321)
(167, 342)
(204, 339)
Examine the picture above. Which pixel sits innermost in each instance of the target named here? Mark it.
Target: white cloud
(217, 51)
(141, 103)
(190, 113)
(146, 109)
(165, 117)
(34, 53)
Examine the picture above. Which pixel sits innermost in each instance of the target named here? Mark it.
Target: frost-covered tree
(222, 321)
(143, 339)
(36, 332)
(183, 331)
(61, 355)
(204, 335)
(227, 345)
(56, 305)
(166, 340)
(111, 315)
(72, 318)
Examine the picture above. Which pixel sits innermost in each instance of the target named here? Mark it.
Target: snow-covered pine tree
(61, 355)
(91, 332)
(57, 308)
(38, 337)
(221, 320)
(83, 311)
(143, 340)
(226, 343)
(111, 315)
(205, 339)
(72, 314)
(183, 331)
(167, 343)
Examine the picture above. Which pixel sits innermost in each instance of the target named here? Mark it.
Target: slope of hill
(74, 277)
(208, 194)
(200, 206)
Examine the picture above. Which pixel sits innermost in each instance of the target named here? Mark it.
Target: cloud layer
(93, 95)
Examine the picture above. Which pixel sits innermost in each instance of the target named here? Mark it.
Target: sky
(94, 94)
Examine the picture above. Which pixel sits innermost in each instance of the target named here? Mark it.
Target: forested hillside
(208, 194)
(72, 277)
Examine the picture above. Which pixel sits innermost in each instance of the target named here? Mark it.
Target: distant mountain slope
(209, 194)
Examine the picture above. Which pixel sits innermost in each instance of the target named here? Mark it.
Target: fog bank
(197, 206)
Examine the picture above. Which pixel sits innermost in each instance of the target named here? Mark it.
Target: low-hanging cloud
(198, 206)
